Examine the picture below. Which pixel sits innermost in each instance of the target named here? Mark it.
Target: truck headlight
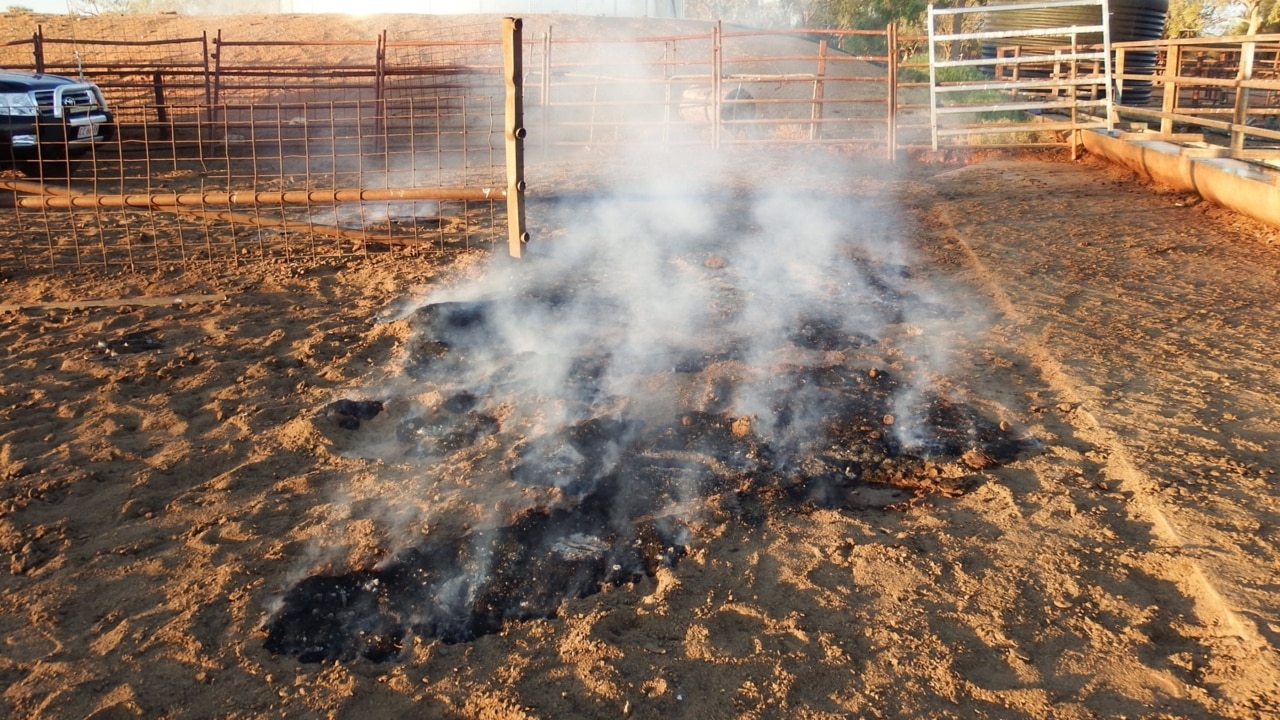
(18, 104)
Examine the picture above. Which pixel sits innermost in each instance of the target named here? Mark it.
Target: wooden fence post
(1240, 115)
(1169, 104)
(512, 61)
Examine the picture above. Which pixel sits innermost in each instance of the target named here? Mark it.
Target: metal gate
(1041, 79)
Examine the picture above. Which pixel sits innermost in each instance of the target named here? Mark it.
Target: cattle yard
(781, 414)
(233, 149)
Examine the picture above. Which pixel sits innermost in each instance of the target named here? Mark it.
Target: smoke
(697, 325)
(692, 317)
(682, 265)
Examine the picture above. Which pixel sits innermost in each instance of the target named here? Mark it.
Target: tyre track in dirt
(1146, 314)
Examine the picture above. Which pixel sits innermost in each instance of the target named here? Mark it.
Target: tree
(810, 13)
(1200, 18)
(876, 14)
(1258, 13)
(1194, 18)
(762, 13)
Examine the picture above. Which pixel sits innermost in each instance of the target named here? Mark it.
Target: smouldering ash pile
(669, 357)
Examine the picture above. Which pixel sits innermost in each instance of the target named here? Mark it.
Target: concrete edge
(1240, 186)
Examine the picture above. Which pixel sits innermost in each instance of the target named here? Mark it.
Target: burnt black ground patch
(632, 426)
(627, 489)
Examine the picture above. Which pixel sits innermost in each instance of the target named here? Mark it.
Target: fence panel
(1071, 81)
(1210, 88)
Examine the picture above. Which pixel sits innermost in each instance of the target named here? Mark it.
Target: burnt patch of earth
(137, 341)
(461, 584)
(632, 445)
(631, 493)
(617, 528)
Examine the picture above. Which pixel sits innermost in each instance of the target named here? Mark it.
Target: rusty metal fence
(235, 150)
(718, 88)
(222, 152)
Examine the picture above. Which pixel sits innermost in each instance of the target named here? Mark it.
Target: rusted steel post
(217, 68)
(512, 47)
(545, 87)
(819, 89)
(1240, 115)
(157, 88)
(208, 85)
(891, 132)
(1172, 68)
(380, 90)
(37, 48)
(668, 57)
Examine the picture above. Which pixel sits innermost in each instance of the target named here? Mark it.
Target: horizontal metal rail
(1017, 85)
(1023, 60)
(1015, 7)
(286, 197)
(1225, 126)
(1016, 106)
(995, 129)
(1000, 34)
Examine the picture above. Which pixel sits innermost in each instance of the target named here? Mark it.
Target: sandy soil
(155, 506)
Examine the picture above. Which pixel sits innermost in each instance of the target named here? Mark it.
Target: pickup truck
(48, 121)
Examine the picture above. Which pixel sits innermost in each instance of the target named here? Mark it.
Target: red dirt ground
(154, 507)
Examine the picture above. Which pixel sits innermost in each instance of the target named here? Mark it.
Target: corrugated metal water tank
(1130, 20)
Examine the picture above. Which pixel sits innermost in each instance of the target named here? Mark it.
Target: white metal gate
(1053, 87)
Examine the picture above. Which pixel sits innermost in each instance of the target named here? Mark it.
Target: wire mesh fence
(288, 151)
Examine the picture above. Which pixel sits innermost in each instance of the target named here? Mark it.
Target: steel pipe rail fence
(719, 88)
(140, 78)
(804, 86)
(205, 119)
(1226, 87)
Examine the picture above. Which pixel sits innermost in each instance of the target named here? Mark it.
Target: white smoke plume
(686, 314)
